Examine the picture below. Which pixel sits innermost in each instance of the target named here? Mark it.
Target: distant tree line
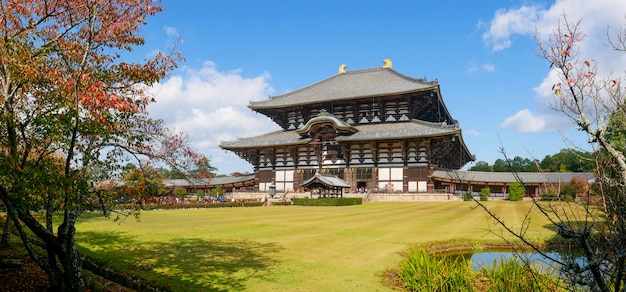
(566, 160)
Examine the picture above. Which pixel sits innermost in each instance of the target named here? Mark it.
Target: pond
(487, 258)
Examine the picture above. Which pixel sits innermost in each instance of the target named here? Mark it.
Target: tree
(216, 192)
(577, 186)
(516, 191)
(485, 193)
(203, 169)
(570, 160)
(143, 183)
(595, 229)
(500, 165)
(180, 192)
(72, 111)
(481, 166)
(6, 233)
(200, 195)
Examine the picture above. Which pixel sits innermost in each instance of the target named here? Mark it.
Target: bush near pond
(422, 270)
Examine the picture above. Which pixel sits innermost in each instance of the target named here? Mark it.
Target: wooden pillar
(405, 178)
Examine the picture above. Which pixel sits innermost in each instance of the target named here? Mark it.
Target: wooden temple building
(376, 129)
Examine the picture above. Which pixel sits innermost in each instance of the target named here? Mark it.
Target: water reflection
(487, 258)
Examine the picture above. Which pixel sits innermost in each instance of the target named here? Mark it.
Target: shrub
(516, 191)
(197, 205)
(467, 196)
(549, 196)
(514, 275)
(421, 271)
(485, 193)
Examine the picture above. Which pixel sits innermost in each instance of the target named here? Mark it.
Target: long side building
(374, 128)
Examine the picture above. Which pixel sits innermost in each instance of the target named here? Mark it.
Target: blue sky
(482, 52)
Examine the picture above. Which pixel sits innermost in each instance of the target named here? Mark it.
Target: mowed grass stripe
(290, 248)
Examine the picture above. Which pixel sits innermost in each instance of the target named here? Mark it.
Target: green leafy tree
(485, 193)
(72, 111)
(569, 160)
(200, 195)
(180, 192)
(516, 191)
(481, 166)
(500, 165)
(216, 192)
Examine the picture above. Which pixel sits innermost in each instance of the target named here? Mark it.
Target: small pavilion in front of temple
(327, 185)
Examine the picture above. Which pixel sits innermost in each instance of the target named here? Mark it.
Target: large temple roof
(382, 131)
(349, 85)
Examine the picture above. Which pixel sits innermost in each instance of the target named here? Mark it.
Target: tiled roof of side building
(349, 85)
(382, 131)
(207, 181)
(509, 177)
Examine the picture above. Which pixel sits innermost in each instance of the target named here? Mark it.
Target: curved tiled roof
(508, 177)
(327, 180)
(410, 129)
(325, 117)
(280, 137)
(382, 131)
(207, 181)
(349, 85)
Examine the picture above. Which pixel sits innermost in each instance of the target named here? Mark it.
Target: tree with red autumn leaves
(72, 112)
(594, 227)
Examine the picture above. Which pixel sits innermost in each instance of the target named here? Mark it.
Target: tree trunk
(73, 270)
(6, 233)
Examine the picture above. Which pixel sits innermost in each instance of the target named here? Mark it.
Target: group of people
(364, 190)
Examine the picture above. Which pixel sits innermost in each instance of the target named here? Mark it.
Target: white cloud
(171, 32)
(489, 67)
(474, 133)
(509, 22)
(527, 20)
(525, 122)
(211, 106)
(474, 68)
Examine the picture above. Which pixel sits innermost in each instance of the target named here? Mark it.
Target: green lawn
(289, 248)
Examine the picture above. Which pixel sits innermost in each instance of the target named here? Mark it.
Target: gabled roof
(330, 181)
(349, 85)
(325, 117)
(398, 130)
(508, 177)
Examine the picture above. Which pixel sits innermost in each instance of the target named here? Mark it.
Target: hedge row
(199, 205)
(327, 201)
